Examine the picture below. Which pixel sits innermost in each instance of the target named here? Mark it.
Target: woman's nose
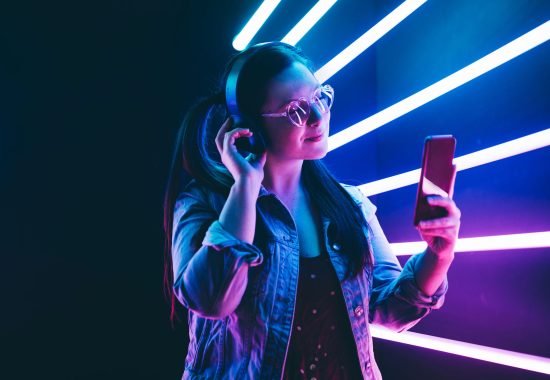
(315, 115)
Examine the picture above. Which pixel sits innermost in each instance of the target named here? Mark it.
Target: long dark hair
(196, 157)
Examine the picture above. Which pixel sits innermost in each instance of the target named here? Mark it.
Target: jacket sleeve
(396, 302)
(210, 264)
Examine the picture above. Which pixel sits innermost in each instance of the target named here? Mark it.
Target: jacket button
(358, 311)
(336, 246)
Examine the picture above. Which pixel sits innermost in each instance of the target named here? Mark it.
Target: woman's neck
(284, 179)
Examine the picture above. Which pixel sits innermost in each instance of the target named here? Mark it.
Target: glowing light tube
(308, 21)
(241, 41)
(483, 243)
(498, 152)
(469, 350)
(366, 40)
(509, 51)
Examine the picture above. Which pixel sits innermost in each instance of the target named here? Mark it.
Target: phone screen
(437, 176)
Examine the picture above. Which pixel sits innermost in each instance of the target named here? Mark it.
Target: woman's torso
(321, 342)
(252, 342)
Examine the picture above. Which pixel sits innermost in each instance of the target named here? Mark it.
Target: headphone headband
(233, 77)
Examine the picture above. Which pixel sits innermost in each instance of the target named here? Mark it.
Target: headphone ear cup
(255, 144)
(259, 142)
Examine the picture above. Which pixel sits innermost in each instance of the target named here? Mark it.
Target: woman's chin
(318, 153)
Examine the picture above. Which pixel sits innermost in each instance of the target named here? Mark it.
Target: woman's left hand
(441, 233)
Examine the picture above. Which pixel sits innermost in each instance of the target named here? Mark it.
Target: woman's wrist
(248, 185)
(238, 215)
(440, 257)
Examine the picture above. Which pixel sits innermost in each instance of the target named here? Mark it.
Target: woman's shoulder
(369, 209)
(195, 191)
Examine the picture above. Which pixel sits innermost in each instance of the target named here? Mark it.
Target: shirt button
(358, 311)
(336, 246)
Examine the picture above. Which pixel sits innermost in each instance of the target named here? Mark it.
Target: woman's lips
(315, 138)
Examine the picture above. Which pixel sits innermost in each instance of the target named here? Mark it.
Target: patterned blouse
(321, 342)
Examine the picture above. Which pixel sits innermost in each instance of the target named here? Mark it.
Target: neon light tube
(308, 21)
(504, 150)
(469, 350)
(483, 243)
(509, 51)
(241, 41)
(366, 40)
(498, 152)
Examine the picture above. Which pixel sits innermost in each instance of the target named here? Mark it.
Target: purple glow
(483, 243)
(474, 351)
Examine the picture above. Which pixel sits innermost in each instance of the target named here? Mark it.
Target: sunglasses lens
(327, 96)
(298, 112)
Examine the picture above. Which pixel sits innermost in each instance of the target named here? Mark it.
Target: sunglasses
(298, 111)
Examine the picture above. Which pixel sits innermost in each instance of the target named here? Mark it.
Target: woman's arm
(211, 257)
(210, 277)
(396, 300)
(441, 235)
(432, 271)
(238, 215)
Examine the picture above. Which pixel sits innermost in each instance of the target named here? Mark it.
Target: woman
(281, 267)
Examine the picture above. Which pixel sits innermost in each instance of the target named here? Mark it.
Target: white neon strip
(498, 152)
(504, 150)
(241, 41)
(484, 243)
(308, 21)
(409, 248)
(469, 350)
(370, 37)
(509, 51)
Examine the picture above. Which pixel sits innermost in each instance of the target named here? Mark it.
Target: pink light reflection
(483, 243)
(474, 351)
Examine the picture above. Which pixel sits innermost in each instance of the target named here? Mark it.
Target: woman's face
(287, 141)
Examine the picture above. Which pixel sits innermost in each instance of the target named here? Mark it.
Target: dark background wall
(91, 96)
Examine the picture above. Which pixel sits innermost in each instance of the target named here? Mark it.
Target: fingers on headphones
(226, 137)
(234, 134)
(222, 131)
(226, 126)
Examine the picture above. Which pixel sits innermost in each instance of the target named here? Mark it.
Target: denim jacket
(241, 296)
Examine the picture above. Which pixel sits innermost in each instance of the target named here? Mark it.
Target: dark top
(321, 342)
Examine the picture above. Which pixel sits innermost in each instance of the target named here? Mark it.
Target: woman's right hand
(250, 168)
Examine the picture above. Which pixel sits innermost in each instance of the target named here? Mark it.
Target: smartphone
(437, 176)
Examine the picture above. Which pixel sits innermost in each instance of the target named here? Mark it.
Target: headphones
(257, 142)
